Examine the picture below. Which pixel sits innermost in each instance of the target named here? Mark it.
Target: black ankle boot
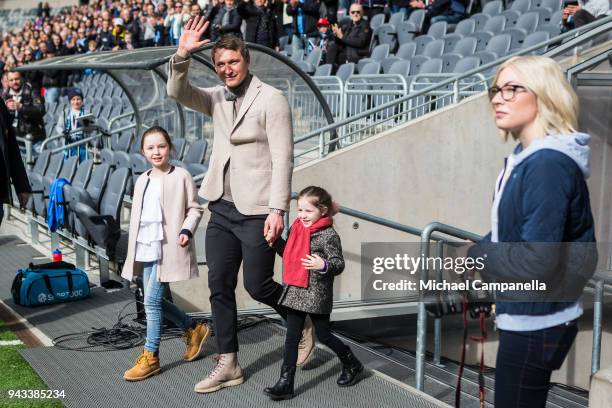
(351, 368)
(283, 389)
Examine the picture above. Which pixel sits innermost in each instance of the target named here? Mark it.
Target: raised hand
(190, 38)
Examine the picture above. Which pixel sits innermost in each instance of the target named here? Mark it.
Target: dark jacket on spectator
(260, 24)
(310, 16)
(105, 40)
(133, 26)
(233, 27)
(30, 116)
(356, 40)
(12, 169)
(446, 7)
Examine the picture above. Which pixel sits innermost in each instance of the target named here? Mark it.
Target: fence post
(438, 320)
(321, 145)
(29, 154)
(597, 316)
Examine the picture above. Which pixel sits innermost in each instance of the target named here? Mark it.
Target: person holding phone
(577, 13)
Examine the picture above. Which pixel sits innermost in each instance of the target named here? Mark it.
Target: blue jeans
(156, 307)
(52, 94)
(525, 362)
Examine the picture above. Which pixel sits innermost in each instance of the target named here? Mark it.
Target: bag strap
(48, 284)
(70, 284)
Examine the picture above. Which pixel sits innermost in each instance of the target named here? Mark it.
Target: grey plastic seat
(122, 160)
(512, 16)
(323, 70)
(422, 41)
(83, 174)
(464, 28)
(103, 226)
(400, 67)
(371, 68)
(416, 62)
(438, 30)
(546, 9)
(497, 47)
(522, 6)
(494, 25)
(405, 32)
(397, 18)
(196, 152)
(178, 150)
(386, 34)
(432, 66)
(379, 53)
(526, 25)
(493, 8)
(138, 165)
(304, 66)
(79, 181)
(388, 62)
(377, 21)
(135, 146)
(345, 70)
(534, 39)
(312, 60)
(464, 48)
(37, 183)
(434, 48)
(89, 195)
(466, 64)
(417, 17)
(407, 51)
(67, 172)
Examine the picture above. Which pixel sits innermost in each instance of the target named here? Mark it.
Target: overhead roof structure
(142, 73)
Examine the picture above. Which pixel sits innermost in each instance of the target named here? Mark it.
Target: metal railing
(374, 120)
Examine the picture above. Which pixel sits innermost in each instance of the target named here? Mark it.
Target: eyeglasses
(355, 12)
(508, 92)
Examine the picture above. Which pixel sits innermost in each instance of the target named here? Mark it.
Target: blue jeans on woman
(156, 307)
(525, 362)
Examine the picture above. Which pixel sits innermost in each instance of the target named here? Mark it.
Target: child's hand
(313, 262)
(183, 240)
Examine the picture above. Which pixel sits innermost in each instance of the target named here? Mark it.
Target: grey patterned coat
(317, 298)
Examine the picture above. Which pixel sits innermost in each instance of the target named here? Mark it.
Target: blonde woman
(541, 200)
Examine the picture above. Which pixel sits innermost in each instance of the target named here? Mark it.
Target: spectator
(12, 169)
(174, 21)
(579, 13)
(305, 15)
(451, 11)
(81, 41)
(105, 39)
(329, 9)
(226, 20)
(373, 7)
(26, 108)
(260, 23)
(401, 5)
(119, 34)
(131, 25)
(322, 41)
(351, 39)
(67, 122)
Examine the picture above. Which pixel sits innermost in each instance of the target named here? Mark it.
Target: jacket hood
(573, 145)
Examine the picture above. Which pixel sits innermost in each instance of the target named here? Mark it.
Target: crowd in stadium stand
(112, 25)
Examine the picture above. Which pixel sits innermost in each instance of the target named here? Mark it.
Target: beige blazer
(258, 144)
(180, 210)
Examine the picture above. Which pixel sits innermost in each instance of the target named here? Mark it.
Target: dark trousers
(525, 362)
(233, 239)
(295, 325)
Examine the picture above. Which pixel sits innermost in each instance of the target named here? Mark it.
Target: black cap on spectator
(72, 92)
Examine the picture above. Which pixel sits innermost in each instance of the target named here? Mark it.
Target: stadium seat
(323, 70)
(405, 32)
(534, 39)
(377, 21)
(438, 30)
(417, 17)
(103, 226)
(397, 18)
(345, 70)
(386, 34)
(388, 62)
(401, 67)
(407, 51)
(497, 47)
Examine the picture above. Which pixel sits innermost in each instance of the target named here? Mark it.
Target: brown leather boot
(147, 365)
(306, 345)
(226, 373)
(195, 339)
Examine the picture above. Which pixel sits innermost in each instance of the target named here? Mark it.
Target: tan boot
(147, 365)
(195, 339)
(226, 373)
(306, 345)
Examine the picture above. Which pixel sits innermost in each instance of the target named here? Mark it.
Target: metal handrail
(578, 36)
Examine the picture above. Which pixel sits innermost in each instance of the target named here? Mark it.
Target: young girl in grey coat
(312, 257)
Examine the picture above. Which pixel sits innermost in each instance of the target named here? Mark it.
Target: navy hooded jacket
(545, 213)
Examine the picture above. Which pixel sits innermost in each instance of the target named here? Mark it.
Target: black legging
(295, 325)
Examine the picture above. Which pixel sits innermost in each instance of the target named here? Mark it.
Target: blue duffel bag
(49, 283)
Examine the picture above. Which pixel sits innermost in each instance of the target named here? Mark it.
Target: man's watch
(277, 211)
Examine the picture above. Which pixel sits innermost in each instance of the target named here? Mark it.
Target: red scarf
(297, 247)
